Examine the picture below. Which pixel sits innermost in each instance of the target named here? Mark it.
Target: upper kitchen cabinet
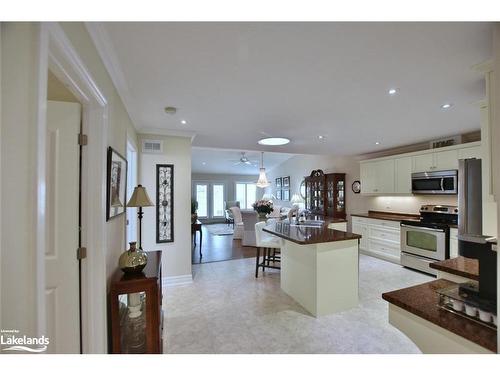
(436, 161)
(392, 174)
(377, 177)
(402, 175)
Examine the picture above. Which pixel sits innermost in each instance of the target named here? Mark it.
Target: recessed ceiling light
(274, 141)
(204, 163)
(183, 122)
(321, 137)
(377, 143)
(446, 106)
(393, 91)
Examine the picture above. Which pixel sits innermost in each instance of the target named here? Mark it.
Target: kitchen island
(319, 265)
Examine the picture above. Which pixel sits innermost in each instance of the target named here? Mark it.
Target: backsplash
(408, 204)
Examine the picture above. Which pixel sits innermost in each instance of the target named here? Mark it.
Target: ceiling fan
(243, 160)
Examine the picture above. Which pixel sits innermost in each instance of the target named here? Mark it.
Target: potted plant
(194, 208)
(263, 208)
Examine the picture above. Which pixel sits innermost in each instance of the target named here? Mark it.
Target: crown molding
(167, 132)
(106, 51)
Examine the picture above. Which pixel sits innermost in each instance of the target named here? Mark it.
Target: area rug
(220, 229)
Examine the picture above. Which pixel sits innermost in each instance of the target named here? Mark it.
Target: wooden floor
(217, 248)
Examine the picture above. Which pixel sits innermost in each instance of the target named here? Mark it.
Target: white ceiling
(237, 82)
(223, 161)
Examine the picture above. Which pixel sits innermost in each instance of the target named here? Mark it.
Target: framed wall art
(164, 203)
(286, 182)
(286, 195)
(116, 184)
(278, 194)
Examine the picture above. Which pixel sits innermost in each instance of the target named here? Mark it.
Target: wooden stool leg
(257, 263)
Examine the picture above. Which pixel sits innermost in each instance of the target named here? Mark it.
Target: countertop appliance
(436, 182)
(427, 240)
(471, 241)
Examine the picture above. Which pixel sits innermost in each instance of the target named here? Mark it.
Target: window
(217, 200)
(202, 199)
(245, 194)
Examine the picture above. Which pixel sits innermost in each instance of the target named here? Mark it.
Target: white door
(61, 264)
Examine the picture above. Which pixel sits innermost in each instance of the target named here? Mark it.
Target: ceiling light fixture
(262, 181)
(393, 91)
(321, 137)
(274, 141)
(183, 122)
(203, 163)
(377, 143)
(446, 106)
(170, 110)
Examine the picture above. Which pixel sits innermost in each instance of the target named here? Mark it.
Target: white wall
(19, 45)
(177, 254)
(301, 165)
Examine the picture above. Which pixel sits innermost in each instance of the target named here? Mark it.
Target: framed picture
(286, 194)
(116, 184)
(278, 183)
(286, 182)
(278, 194)
(164, 203)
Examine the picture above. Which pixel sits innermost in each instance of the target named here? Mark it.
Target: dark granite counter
(381, 215)
(460, 266)
(422, 300)
(309, 234)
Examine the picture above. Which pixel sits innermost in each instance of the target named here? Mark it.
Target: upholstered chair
(238, 223)
(269, 245)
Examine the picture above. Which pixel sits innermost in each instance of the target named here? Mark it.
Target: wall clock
(356, 187)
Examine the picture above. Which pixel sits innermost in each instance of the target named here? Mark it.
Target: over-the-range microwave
(436, 182)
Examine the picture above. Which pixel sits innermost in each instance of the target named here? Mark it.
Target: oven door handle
(442, 184)
(423, 228)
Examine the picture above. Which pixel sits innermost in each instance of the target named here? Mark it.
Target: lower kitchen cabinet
(380, 238)
(453, 242)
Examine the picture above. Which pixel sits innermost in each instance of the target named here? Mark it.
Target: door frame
(56, 52)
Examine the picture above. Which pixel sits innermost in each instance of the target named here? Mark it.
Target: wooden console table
(135, 307)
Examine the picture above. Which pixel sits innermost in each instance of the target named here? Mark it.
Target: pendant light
(262, 181)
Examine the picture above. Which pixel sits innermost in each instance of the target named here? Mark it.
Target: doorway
(131, 184)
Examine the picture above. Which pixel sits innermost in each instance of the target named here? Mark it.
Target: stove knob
(455, 210)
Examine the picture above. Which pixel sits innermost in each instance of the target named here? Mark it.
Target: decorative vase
(133, 260)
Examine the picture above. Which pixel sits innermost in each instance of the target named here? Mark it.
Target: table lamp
(140, 199)
(296, 200)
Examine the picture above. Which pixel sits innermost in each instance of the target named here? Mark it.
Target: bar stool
(267, 242)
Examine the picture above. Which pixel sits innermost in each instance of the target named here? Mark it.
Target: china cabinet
(325, 194)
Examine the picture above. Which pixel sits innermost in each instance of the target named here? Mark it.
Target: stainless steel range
(427, 240)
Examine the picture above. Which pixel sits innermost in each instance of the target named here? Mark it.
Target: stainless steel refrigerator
(471, 241)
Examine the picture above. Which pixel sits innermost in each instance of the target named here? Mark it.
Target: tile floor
(227, 310)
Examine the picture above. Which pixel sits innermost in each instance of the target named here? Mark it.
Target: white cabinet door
(470, 152)
(368, 175)
(402, 178)
(444, 160)
(362, 230)
(384, 176)
(453, 243)
(423, 163)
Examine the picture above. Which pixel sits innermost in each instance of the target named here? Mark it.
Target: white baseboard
(177, 280)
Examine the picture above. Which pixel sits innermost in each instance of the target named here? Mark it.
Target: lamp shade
(296, 199)
(139, 198)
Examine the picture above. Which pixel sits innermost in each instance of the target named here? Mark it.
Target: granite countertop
(392, 216)
(308, 235)
(460, 266)
(422, 301)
